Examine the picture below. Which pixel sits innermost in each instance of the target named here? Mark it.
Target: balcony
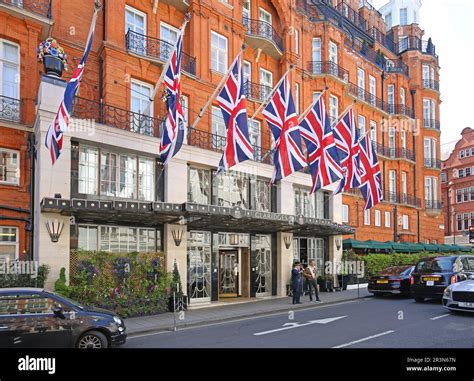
(415, 43)
(369, 53)
(262, 35)
(396, 66)
(432, 163)
(402, 199)
(180, 5)
(395, 153)
(433, 208)
(10, 109)
(397, 109)
(116, 117)
(431, 84)
(352, 15)
(257, 92)
(432, 124)
(214, 142)
(34, 10)
(156, 49)
(318, 68)
(367, 97)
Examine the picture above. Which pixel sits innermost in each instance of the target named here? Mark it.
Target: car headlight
(117, 320)
(447, 292)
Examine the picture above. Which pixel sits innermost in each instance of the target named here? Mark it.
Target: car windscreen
(435, 265)
(396, 270)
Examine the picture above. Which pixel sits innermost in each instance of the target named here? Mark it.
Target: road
(368, 323)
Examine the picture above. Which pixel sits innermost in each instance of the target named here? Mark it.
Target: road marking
(287, 326)
(364, 339)
(440, 317)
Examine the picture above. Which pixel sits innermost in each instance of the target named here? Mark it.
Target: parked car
(432, 275)
(392, 280)
(33, 317)
(460, 296)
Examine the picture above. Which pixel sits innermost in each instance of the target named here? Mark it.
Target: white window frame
(367, 217)
(345, 213)
(16, 243)
(362, 125)
(373, 131)
(297, 41)
(405, 222)
(372, 89)
(378, 218)
(17, 64)
(218, 53)
(166, 51)
(138, 13)
(333, 107)
(18, 174)
(388, 220)
(297, 98)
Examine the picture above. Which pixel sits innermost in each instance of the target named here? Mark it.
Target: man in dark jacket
(296, 282)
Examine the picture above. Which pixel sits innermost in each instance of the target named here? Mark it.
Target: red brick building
(457, 184)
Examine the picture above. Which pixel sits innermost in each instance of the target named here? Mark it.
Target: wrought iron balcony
(116, 117)
(402, 199)
(432, 163)
(352, 15)
(157, 49)
(431, 84)
(39, 7)
(398, 109)
(264, 30)
(396, 66)
(381, 38)
(415, 43)
(328, 67)
(366, 51)
(215, 142)
(395, 152)
(10, 109)
(256, 91)
(367, 97)
(434, 204)
(432, 123)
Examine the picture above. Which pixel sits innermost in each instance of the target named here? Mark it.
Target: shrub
(60, 285)
(25, 280)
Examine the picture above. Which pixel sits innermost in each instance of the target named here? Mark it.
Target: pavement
(225, 311)
(389, 322)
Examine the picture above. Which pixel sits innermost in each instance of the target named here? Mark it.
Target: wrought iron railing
(434, 204)
(328, 67)
(11, 109)
(39, 7)
(397, 109)
(396, 66)
(432, 123)
(257, 91)
(402, 198)
(395, 152)
(352, 15)
(432, 163)
(263, 29)
(215, 142)
(431, 84)
(116, 117)
(365, 96)
(366, 51)
(155, 48)
(415, 43)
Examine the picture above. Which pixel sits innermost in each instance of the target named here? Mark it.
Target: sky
(450, 24)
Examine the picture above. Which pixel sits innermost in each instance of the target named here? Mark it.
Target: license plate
(434, 279)
(430, 283)
(464, 304)
(382, 281)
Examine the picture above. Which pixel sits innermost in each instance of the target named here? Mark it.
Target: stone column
(50, 181)
(335, 254)
(284, 262)
(175, 253)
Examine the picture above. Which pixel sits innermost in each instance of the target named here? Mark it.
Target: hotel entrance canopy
(195, 216)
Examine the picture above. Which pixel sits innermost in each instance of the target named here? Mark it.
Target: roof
(21, 289)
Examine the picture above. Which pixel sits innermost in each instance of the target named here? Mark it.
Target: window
(403, 140)
(10, 74)
(402, 44)
(297, 41)
(426, 73)
(142, 108)
(297, 98)
(392, 141)
(333, 108)
(265, 16)
(367, 217)
(218, 129)
(8, 243)
(378, 218)
(430, 152)
(231, 189)
(261, 196)
(333, 58)
(388, 219)
(402, 100)
(461, 173)
(345, 213)
(391, 98)
(392, 185)
(373, 131)
(88, 170)
(199, 186)
(9, 167)
(458, 195)
(185, 106)
(459, 222)
(247, 71)
(467, 171)
(169, 34)
(255, 138)
(444, 177)
(461, 154)
(316, 55)
(127, 177)
(146, 179)
(362, 126)
(429, 113)
(322, 211)
(266, 83)
(405, 222)
(246, 12)
(388, 20)
(305, 202)
(361, 83)
(372, 89)
(135, 21)
(404, 186)
(403, 16)
(118, 239)
(218, 52)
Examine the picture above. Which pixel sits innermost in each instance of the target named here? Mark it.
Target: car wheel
(92, 340)
(419, 300)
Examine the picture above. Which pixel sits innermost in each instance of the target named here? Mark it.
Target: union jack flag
(60, 123)
(281, 117)
(175, 128)
(233, 105)
(346, 136)
(323, 157)
(371, 177)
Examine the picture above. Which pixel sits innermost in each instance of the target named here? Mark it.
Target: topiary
(60, 285)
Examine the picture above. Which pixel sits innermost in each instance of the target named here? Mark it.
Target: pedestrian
(296, 282)
(311, 276)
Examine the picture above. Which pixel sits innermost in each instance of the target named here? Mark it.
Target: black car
(33, 317)
(393, 280)
(432, 275)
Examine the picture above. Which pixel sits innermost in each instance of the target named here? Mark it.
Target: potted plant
(177, 300)
(325, 283)
(53, 57)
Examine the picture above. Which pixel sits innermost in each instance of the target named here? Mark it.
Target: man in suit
(311, 276)
(296, 282)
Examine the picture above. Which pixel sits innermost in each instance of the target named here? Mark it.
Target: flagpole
(224, 78)
(271, 93)
(303, 115)
(187, 18)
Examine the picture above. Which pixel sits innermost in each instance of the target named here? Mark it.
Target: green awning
(445, 248)
(417, 247)
(431, 247)
(399, 247)
(379, 245)
(354, 244)
(466, 249)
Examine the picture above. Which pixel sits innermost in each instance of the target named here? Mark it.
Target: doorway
(228, 273)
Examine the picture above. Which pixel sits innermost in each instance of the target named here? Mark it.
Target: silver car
(460, 296)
